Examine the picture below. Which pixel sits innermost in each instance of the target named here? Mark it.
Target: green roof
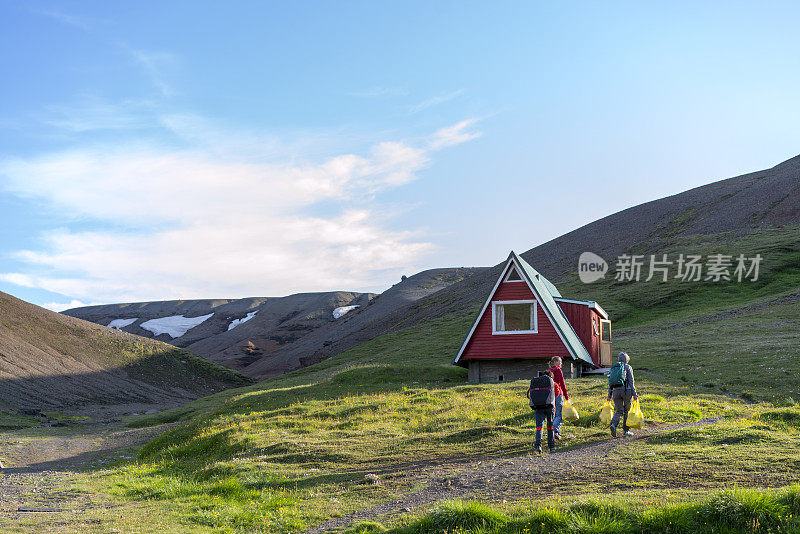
(546, 291)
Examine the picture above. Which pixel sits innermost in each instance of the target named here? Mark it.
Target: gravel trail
(484, 478)
(39, 464)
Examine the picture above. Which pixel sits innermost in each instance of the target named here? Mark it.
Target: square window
(514, 317)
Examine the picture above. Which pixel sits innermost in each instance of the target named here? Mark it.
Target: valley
(363, 425)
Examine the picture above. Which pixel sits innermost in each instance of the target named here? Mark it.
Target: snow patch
(237, 322)
(119, 324)
(338, 312)
(175, 325)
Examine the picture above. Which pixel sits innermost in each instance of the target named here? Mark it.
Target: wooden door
(605, 343)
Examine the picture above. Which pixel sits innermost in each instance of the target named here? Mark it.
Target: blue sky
(162, 150)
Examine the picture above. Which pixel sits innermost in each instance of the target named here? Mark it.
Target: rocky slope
(246, 333)
(231, 330)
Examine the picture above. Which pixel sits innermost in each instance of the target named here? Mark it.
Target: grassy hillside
(393, 420)
(282, 457)
(289, 452)
(632, 303)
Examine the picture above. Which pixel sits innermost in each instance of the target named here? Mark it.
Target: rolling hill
(51, 362)
(379, 431)
(233, 331)
(714, 218)
(249, 334)
(717, 375)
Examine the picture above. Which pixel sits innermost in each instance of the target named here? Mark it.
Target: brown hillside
(50, 361)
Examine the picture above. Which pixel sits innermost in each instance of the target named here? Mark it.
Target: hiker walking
(621, 389)
(541, 397)
(560, 393)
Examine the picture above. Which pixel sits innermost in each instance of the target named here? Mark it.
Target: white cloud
(194, 223)
(18, 279)
(436, 100)
(61, 306)
(81, 23)
(453, 135)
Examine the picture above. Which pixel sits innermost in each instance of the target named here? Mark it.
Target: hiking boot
(628, 434)
(613, 431)
(538, 449)
(552, 450)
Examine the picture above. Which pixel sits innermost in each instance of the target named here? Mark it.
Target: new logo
(591, 267)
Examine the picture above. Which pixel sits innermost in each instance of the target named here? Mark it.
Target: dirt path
(39, 464)
(490, 478)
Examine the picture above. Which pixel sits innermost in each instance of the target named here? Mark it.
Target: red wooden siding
(580, 316)
(545, 344)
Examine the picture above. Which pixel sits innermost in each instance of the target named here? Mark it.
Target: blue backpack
(617, 375)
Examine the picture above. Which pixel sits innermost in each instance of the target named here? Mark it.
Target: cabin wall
(580, 317)
(510, 370)
(545, 344)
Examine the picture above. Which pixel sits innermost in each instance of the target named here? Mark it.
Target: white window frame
(535, 312)
(602, 337)
(513, 268)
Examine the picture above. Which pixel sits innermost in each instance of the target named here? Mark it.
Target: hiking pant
(622, 405)
(557, 419)
(542, 414)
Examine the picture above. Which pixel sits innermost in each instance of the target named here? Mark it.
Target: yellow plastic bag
(635, 415)
(568, 412)
(606, 413)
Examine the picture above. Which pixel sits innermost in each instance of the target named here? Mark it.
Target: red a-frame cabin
(525, 321)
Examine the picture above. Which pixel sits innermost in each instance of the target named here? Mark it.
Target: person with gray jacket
(622, 395)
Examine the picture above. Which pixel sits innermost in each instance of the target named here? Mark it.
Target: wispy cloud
(92, 114)
(454, 135)
(82, 23)
(436, 100)
(154, 64)
(193, 223)
(18, 279)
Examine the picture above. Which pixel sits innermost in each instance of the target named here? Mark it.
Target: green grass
(422, 354)
(13, 421)
(310, 446)
(731, 511)
(637, 303)
(751, 353)
(292, 451)
(313, 434)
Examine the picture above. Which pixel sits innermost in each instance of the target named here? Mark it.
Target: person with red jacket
(561, 393)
